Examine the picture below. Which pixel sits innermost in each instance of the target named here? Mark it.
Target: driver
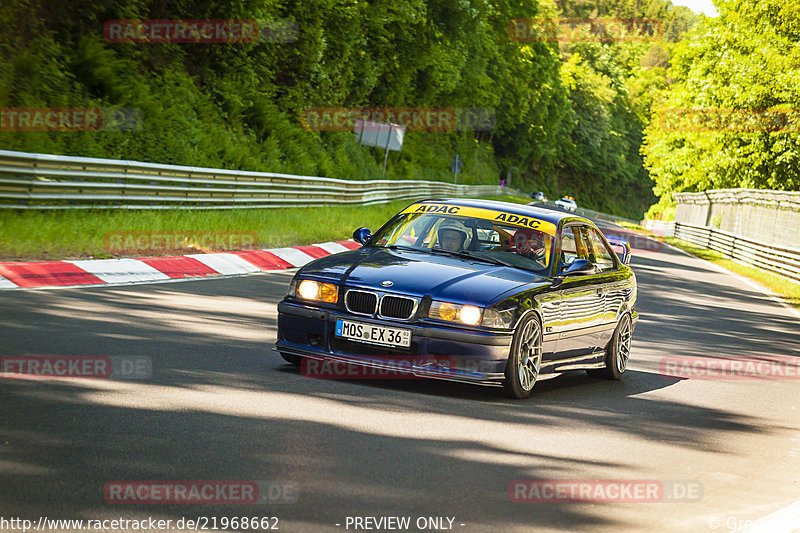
(452, 236)
(451, 240)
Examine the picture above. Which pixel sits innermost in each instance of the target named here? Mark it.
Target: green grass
(79, 234)
(783, 287)
(630, 225)
(39, 235)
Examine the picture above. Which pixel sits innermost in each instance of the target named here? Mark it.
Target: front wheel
(525, 358)
(617, 351)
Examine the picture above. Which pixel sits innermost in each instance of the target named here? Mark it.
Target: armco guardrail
(776, 259)
(41, 181)
(766, 216)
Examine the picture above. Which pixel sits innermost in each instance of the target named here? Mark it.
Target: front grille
(397, 307)
(365, 303)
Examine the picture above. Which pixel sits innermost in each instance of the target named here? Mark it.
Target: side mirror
(579, 266)
(625, 248)
(362, 235)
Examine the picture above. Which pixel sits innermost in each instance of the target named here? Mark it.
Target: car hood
(421, 274)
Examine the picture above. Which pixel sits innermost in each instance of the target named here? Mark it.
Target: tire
(525, 358)
(617, 352)
(293, 359)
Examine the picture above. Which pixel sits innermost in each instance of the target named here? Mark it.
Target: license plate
(372, 334)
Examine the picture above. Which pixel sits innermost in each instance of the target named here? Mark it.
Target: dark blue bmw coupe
(474, 291)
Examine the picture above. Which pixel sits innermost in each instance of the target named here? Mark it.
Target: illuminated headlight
(320, 292)
(492, 318)
(466, 314)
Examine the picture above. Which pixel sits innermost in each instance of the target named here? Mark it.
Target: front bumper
(436, 352)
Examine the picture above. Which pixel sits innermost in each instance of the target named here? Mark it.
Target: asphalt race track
(219, 404)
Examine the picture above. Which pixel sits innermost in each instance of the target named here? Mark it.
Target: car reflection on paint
(473, 291)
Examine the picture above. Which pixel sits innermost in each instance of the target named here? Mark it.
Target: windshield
(518, 241)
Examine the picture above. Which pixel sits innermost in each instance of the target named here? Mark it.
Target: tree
(730, 118)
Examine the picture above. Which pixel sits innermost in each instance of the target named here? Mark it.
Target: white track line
(786, 520)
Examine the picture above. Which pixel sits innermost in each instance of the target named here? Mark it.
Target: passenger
(531, 244)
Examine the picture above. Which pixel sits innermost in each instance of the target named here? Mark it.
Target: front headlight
(316, 291)
(466, 314)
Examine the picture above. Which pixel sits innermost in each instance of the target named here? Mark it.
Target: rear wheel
(617, 351)
(525, 358)
(293, 359)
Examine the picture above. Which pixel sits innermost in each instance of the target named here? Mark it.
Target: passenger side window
(602, 257)
(568, 251)
(571, 247)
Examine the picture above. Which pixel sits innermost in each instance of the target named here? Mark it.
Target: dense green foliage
(569, 116)
(735, 67)
(612, 86)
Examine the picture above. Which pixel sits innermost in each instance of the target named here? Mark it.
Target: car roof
(547, 215)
